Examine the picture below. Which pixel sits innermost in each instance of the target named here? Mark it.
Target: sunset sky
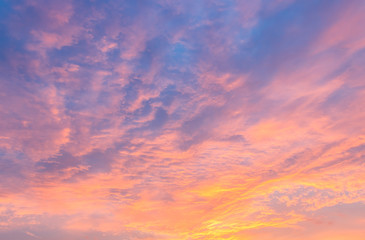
(182, 119)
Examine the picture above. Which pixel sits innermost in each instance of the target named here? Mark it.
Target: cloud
(166, 119)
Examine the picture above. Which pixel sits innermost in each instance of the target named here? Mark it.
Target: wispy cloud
(166, 119)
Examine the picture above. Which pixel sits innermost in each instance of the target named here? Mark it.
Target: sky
(182, 119)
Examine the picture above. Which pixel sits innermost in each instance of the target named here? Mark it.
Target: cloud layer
(197, 119)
